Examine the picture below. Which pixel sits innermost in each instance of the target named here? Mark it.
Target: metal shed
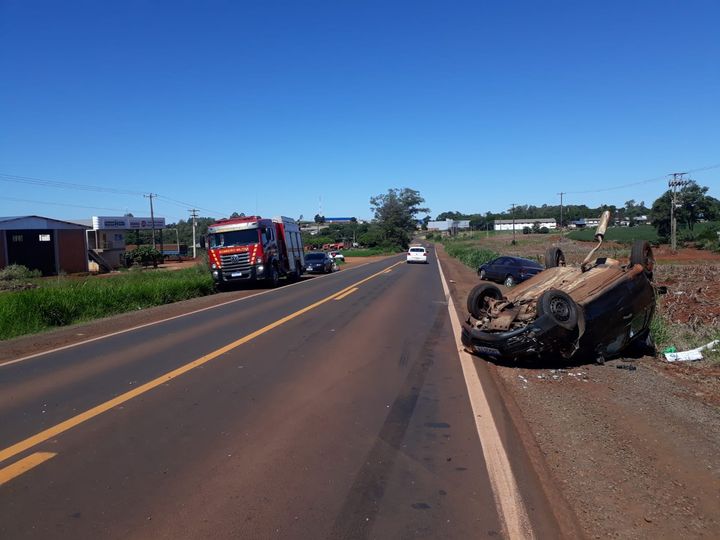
(49, 245)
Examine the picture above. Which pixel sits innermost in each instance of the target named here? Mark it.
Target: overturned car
(597, 309)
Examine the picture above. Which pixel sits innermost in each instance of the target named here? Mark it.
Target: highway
(336, 407)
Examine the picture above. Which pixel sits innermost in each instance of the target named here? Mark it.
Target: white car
(337, 255)
(417, 254)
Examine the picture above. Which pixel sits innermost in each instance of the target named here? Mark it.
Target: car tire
(562, 309)
(476, 298)
(483, 275)
(554, 257)
(642, 254)
(509, 281)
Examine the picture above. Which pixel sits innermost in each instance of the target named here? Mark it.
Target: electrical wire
(648, 181)
(61, 204)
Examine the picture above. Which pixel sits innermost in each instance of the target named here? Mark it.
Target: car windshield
(314, 256)
(234, 238)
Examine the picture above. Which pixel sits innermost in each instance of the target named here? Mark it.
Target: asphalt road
(331, 408)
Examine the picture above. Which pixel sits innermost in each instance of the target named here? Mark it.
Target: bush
(469, 255)
(144, 256)
(18, 272)
(544, 230)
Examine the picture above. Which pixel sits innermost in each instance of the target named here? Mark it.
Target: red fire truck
(254, 248)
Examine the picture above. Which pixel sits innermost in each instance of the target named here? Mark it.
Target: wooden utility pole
(193, 213)
(152, 215)
(676, 181)
(561, 212)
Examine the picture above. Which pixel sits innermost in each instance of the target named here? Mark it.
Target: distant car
(597, 309)
(318, 262)
(509, 270)
(417, 254)
(337, 255)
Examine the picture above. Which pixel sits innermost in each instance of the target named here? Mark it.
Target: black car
(318, 262)
(509, 270)
(597, 309)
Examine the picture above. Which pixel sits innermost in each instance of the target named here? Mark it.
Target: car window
(314, 256)
(417, 250)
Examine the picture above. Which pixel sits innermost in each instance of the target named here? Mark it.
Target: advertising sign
(126, 223)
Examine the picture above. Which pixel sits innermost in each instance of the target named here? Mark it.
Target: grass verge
(68, 301)
(469, 254)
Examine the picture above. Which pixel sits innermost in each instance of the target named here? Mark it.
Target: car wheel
(559, 307)
(642, 254)
(554, 257)
(483, 274)
(476, 298)
(509, 281)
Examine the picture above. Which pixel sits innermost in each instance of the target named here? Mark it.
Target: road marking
(70, 423)
(348, 293)
(139, 327)
(24, 465)
(510, 506)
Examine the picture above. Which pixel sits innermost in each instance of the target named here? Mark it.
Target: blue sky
(279, 107)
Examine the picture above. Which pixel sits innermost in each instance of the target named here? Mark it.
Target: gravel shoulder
(635, 453)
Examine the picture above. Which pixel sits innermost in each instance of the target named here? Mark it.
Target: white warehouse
(507, 224)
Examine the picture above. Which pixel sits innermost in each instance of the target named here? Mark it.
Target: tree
(395, 213)
(693, 204)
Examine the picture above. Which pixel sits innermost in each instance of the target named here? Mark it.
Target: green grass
(68, 300)
(623, 235)
(370, 252)
(469, 254)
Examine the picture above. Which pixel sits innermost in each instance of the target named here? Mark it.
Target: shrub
(143, 255)
(469, 255)
(18, 272)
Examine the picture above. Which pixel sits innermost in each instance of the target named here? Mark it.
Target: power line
(649, 180)
(61, 204)
(63, 185)
(59, 184)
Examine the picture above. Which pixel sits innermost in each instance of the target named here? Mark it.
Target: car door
(495, 269)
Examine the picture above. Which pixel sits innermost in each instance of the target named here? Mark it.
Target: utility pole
(561, 212)
(513, 220)
(676, 181)
(152, 215)
(193, 213)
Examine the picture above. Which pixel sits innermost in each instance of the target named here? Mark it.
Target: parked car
(337, 255)
(509, 270)
(597, 309)
(318, 262)
(417, 254)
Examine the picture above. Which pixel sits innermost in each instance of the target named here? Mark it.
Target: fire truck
(255, 248)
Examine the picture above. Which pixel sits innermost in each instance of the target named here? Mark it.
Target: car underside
(597, 309)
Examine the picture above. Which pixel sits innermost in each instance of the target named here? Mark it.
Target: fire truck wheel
(274, 277)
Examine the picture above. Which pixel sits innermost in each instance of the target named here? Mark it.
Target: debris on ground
(692, 354)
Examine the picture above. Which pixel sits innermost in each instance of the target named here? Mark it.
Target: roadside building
(40, 243)
(520, 224)
(449, 226)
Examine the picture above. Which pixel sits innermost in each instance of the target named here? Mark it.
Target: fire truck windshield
(234, 238)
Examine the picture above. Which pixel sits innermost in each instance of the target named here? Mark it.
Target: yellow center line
(70, 423)
(24, 465)
(343, 295)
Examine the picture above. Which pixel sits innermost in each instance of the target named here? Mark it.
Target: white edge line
(508, 500)
(132, 329)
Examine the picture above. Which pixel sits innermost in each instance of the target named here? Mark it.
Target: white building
(449, 225)
(520, 224)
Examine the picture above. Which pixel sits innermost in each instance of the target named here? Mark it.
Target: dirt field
(635, 452)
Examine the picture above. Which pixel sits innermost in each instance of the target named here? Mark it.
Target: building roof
(526, 220)
(37, 222)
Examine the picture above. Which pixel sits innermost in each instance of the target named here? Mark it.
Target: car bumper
(417, 260)
(539, 337)
(235, 277)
